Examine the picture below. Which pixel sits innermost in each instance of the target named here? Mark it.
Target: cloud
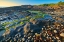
(8, 3)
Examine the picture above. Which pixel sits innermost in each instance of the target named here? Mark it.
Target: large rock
(26, 28)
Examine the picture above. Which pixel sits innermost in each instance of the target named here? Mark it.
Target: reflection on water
(46, 17)
(2, 32)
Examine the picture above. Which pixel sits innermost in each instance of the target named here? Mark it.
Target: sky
(8, 3)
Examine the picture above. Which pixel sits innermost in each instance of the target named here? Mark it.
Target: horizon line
(27, 4)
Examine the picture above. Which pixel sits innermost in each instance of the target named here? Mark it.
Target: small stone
(23, 39)
(28, 37)
(62, 34)
(55, 31)
(61, 25)
(42, 28)
(57, 37)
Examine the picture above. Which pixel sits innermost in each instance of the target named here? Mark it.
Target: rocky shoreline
(32, 27)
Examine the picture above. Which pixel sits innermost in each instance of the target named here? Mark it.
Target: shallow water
(46, 17)
(2, 32)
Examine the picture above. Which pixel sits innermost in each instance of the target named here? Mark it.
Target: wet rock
(26, 28)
